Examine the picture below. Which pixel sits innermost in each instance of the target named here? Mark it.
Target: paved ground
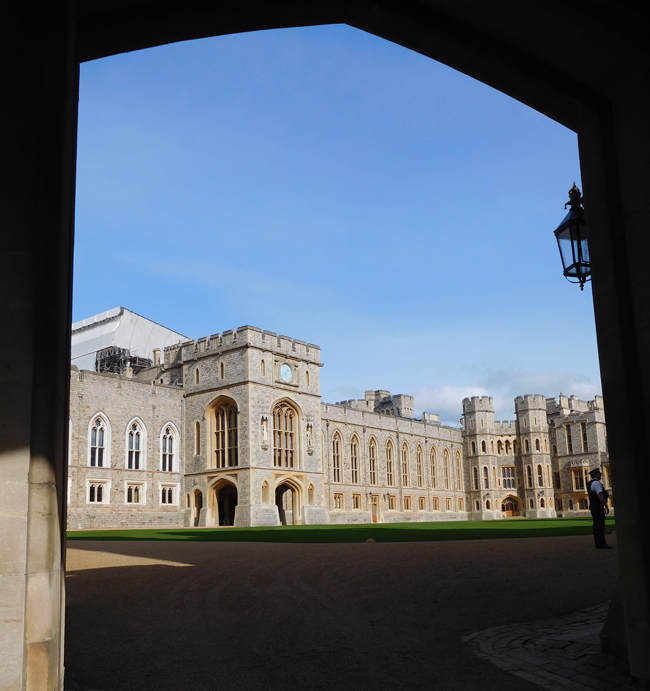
(558, 654)
(381, 616)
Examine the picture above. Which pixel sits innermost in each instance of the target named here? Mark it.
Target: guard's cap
(595, 471)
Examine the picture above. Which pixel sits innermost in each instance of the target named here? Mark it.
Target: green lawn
(384, 532)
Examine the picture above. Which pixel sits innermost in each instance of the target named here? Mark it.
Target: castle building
(231, 430)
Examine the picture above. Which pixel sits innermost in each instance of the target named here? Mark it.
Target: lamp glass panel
(566, 247)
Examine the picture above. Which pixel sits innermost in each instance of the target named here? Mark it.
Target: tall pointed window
(540, 476)
(354, 460)
(486, 478)
(372, 461)
(418, 463)
(226, 447)
(445, 467)
(459, 472)
(475, 476)
(134, 447)
(433, 463)
(405, 465)
(98, 443)
(336, 458)
(285, 424)
(167, 449)
(389, 464)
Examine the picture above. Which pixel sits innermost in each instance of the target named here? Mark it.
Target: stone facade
(231, 430)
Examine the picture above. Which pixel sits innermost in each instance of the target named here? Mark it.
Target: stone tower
(534, 447)
(481, 454)
(252, 416)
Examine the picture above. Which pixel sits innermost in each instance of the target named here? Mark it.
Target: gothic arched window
(433, 463)
(405, 464)
(459, 471)
(167, 449)
(354, 460)
(336, 457)
(445, 467)
(98, 443)
(285, 424)
(226, 446)
(372, 461)
(486, 478)
(389, 463)
(418, 466)
(135, 446)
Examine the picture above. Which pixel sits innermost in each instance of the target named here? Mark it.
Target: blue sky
(333, 187)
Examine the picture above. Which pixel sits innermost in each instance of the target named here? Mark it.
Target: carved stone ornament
(264, 428)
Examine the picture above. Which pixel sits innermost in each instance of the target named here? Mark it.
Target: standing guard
(598, 506)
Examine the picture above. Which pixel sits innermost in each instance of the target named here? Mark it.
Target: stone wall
(120, 400)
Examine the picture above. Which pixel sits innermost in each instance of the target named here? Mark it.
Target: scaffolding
(115, 360)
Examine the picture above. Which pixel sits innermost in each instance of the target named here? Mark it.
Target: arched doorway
(222, 504)
(287, 499)
(510, 506)
(197, 506)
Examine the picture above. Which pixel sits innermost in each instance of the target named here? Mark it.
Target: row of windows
(99, 445)
(98, 492)
(511, 504)
(391, 500)
(508, 479)
(420, 479)
(504, 448)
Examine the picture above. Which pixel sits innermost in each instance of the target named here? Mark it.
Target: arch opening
(287, 499)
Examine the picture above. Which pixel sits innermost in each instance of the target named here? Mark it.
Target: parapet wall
(504, 427)
(530, 402)
(246, 336)
(478, 404)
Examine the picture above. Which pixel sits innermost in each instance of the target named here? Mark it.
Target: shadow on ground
(380, 616)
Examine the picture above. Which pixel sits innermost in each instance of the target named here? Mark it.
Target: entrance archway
(603, 97)
(287, 499)
(226, 503)
(510, 507)
(222, 502)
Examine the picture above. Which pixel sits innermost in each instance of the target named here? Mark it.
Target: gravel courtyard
(381, 616)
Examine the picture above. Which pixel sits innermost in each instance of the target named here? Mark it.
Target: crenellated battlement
(563, 405)
(478, 404)
(530, 402)
(248, 337)
(504, 427)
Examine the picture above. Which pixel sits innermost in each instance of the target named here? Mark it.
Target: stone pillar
(615, 163)
(38, 110)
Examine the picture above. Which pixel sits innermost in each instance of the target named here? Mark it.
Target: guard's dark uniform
(598, 514)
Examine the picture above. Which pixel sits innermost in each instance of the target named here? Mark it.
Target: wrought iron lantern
(571, 237)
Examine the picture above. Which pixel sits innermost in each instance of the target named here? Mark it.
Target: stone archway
(602, 96)
(223, 497)
(227, 500)
(288, 501)
(510, 507)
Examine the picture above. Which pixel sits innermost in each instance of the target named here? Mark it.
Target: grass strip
(383, 532)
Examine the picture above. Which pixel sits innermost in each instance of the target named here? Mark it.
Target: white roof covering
(121, 328)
